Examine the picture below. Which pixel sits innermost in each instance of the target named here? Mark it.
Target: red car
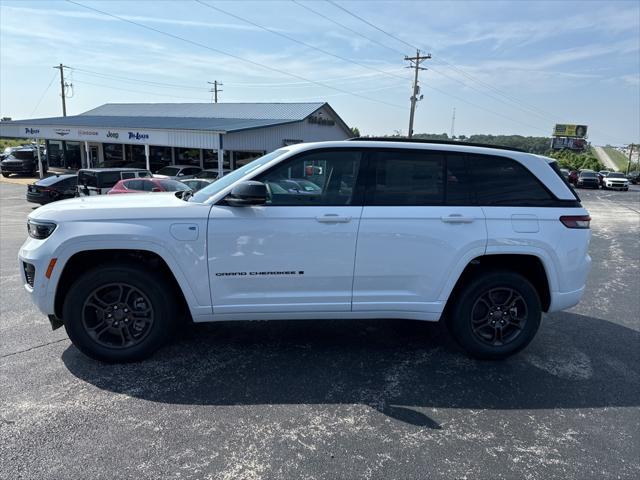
(141, 185)
(573, 177)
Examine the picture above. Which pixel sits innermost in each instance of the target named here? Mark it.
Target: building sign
(569, 143)
(318, 120)
(138, 136)
(565, 130)
(87, 133)
(113, 135)
(31, 132)
(63, 132)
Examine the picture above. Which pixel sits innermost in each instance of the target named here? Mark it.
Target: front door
(296, 253)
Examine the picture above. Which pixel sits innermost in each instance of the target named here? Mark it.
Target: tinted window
(134, 185)
(24, 154)
(407, 178)
(588, 175)
(319, 178)
(87, 178)
(191, 171)
(168, 171)
(108, 179)
(502, 181)
(459, 186)
(173, 185)
(128, 175)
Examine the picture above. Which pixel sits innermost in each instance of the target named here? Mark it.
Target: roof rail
(435, 142)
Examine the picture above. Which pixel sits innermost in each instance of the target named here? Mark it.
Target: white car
(485, 238)
(178, 172)
(615, 181)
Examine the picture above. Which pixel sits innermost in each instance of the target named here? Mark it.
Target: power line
(295, 40)
(136, 80)
(237, 57)
(43, 94)
(346, 27)
(138, 91)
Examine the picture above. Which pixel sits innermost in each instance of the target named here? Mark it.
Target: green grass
(12, 142)
(619, 158)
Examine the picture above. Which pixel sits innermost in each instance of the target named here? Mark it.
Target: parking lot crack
(33, 348)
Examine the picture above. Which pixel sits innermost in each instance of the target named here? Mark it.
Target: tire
(140, 292)
(469, 308)
(4, 174)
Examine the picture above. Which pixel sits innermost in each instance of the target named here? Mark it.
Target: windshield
(616, 175)
(588, 174)
(168, 171)
(207, 192)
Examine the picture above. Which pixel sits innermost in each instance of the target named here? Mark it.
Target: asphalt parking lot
(316, 400)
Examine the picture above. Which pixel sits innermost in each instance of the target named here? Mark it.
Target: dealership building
(154, 135)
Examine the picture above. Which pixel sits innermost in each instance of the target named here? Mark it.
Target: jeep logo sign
(138, 136)
(111, 134)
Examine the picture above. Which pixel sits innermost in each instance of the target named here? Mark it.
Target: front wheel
(496, 315)
(119, 313)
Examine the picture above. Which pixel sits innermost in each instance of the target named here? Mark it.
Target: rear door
(296, 253)
(418, 226)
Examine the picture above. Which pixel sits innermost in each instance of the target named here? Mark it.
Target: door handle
(333, 218)
(456, 218)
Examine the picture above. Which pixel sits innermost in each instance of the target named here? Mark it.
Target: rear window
(501, 181)
(173, 186)
(108, 179)
(407, 178)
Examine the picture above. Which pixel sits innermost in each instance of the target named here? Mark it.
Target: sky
(514, 67)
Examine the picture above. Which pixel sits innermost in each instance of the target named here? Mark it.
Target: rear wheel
(5, 174)
(119, 313)
(496, 315)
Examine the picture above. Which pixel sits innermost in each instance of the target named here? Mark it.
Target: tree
(355, 131)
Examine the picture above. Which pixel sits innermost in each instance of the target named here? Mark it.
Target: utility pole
(453, 123)
(415, 64)
(215, 90)
(63, 85)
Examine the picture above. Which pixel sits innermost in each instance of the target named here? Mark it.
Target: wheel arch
(79, 262)
(530, 266)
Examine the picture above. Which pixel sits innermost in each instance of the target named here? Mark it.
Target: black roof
(114, 169)
(435, 142)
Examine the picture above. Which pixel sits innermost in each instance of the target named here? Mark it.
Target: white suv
(485, 238)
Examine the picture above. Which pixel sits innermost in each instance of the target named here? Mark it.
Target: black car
(21, 160)
(50, 189)
(634, 177)
(588, 179)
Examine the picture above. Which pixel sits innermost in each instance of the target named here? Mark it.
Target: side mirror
(247, 193)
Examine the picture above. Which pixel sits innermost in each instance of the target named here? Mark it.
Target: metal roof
(135, 121)
(248, 111)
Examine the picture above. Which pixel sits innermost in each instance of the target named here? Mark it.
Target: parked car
(634, 177)
(296, 186)
(391, 237)
(141, 185)
(573, 177)
(588, 179)
(615, 181)
(196, 184)
(22, 160)
(178, 172)
(98, 181)
(601, 175)
(565, 172)
(50, 189)
(211, 173)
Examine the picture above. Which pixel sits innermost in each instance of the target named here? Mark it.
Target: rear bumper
(564, 300)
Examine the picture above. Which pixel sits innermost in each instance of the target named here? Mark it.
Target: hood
(105, 208)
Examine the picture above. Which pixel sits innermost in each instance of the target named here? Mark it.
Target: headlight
(40, 230)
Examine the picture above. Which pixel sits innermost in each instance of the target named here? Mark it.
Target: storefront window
(72, 155)
(188, 156)
(240, 159)
(135, 157)
(159, 157)
(55, 156)
(211, 159)
(112, 155)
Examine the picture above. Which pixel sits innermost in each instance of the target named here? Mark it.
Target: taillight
(576, 221)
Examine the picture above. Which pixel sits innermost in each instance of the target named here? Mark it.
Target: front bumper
(37, 253)
(617, 186)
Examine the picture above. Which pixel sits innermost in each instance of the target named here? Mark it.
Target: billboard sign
(565, 130)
